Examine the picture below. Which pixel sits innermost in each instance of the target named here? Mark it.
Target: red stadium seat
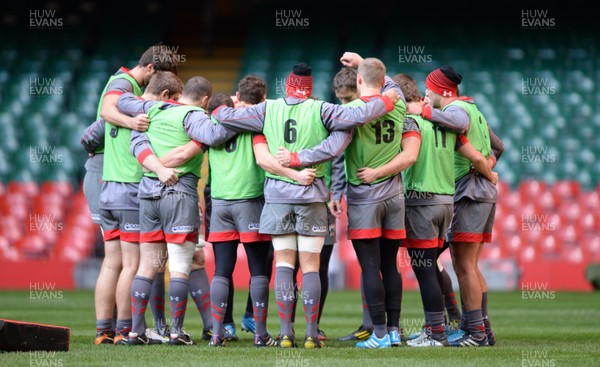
(34, 247)
(545, 202)
(529, 190)
(513, 245)
(494, 253)
(592, 246)
(4, 243)
(549, 245)
(533, 236)
(71, 254)
(588, 224)
(572, 254)
(565, 190)
(503, 187)
(491, 252)
(569, 235)
(589, 201)
(60, 187)
(511, 201)
(569, 211)
(31, 189)
(528, 254)
(510, 224)
(11, 254)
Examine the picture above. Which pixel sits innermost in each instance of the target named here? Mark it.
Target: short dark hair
(409, 87)
(345, 79)
(217, 100)
(161, 56)
(197, 87)
(252, 89)
(164, 80)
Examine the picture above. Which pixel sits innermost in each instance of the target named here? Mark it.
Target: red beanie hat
(444, 81)
(299, 82)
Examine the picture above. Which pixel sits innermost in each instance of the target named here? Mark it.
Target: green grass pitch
(551, 329)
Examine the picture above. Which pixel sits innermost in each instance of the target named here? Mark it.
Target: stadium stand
(548, 207)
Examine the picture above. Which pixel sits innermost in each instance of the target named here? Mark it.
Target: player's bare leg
(484, 302)
(106, 285)
(130, 255)
(464, 259)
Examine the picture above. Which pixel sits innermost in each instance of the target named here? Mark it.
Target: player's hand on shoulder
(414, 108)
(392, 94)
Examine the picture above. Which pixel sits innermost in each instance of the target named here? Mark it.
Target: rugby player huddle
(415, 171)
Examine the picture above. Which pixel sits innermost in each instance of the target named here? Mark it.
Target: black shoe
(216, 341)
(142, 339)
(181, 339)
(359, 334)
(206, 334)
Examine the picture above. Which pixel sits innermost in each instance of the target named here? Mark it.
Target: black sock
(296, 268)
(368, 254)
(324, 276)
(424, 265)
(392, 281)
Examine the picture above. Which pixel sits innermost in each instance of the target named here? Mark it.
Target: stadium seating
(548, 197)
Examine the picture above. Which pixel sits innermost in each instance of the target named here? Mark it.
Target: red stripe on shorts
(468, 237)
(415, 243)
(133, 237)
(154, 236)
(247, 237)
(357, 234)
(223, 236)
(111, 234)
(394, 234)
(181, 237)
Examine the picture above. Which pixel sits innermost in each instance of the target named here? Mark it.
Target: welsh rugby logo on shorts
(319, 229)
(253, 226)
(132, 227)
(182, 229)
